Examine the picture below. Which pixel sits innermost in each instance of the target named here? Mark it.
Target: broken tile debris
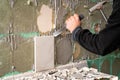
(71, 73)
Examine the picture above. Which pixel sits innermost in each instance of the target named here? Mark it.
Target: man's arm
(103, 43)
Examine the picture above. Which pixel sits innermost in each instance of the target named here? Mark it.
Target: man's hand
(73, 22)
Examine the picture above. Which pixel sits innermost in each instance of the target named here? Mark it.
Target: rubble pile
(73, 71)
(69, 74)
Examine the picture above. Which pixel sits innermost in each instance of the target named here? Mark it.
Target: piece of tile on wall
(43, 53)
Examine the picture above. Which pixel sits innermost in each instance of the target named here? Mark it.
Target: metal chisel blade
(58, 32)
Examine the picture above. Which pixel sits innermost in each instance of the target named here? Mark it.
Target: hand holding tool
(58, 32)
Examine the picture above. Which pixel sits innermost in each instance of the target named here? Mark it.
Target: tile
(43, 53)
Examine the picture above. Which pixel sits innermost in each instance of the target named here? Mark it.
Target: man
(106, 41)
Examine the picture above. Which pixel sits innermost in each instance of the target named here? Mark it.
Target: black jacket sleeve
(106, 41)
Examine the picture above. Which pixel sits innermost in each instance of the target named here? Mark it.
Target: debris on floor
(70, 71)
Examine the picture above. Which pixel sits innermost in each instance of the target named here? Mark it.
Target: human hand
(73, 22)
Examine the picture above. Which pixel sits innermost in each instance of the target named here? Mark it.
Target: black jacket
(107, 40)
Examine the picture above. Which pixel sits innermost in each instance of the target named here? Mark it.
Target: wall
(18, 26)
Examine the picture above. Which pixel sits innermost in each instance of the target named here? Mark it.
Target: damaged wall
(18, 26)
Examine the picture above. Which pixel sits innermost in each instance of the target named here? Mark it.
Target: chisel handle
(81, 16)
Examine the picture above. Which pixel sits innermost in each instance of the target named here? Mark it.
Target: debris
(72, 73)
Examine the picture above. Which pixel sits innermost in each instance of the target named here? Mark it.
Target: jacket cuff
(74, 33)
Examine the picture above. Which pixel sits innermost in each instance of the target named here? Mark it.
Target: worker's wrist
(75, 31)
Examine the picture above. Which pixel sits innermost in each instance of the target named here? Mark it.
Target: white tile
(43, 53)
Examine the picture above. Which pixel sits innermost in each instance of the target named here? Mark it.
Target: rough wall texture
(18, 27)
